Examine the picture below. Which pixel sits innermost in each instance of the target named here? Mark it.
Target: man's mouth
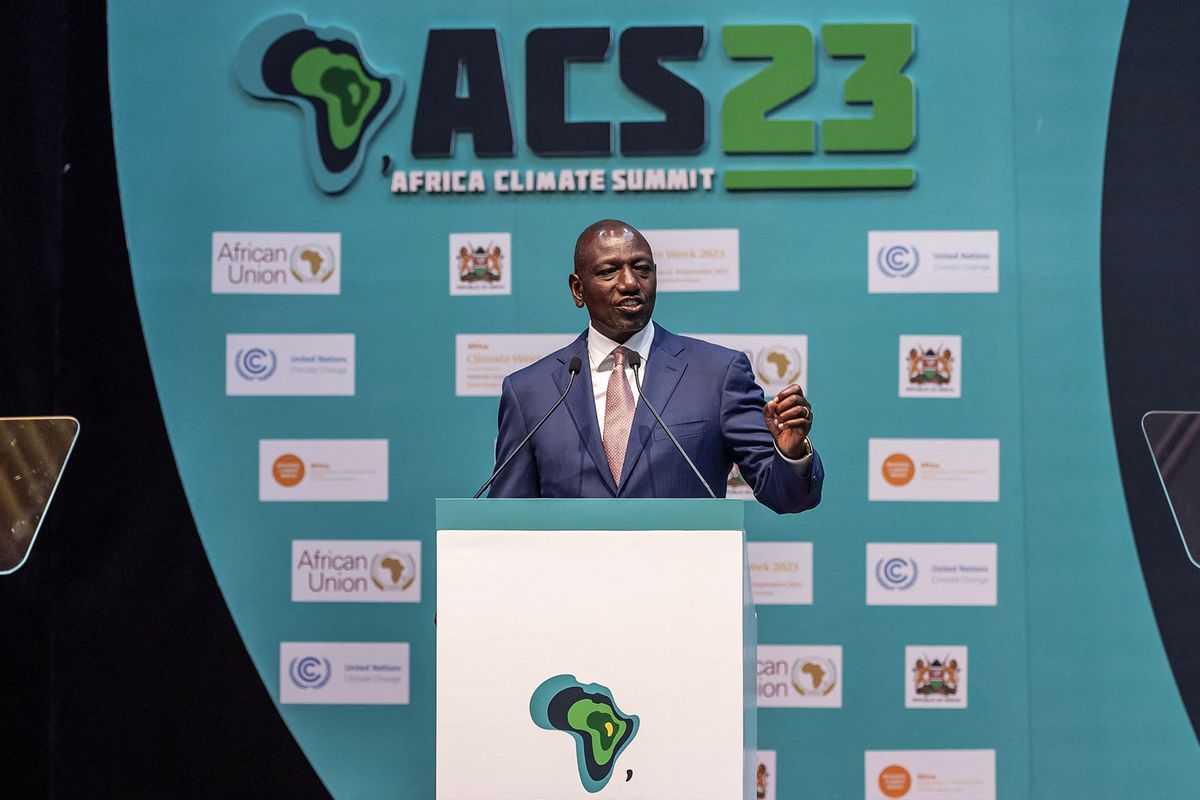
(631, 304)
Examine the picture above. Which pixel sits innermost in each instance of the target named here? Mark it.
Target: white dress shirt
(600, 361)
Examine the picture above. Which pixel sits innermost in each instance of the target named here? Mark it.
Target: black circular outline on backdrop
(1150, 296)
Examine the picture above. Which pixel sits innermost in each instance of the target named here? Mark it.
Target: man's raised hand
(789, 419)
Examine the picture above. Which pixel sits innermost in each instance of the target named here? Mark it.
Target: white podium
(616, 661)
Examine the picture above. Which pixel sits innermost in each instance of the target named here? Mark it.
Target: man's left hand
(789, 419)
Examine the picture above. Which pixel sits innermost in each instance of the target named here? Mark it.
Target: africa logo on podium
(590, 715)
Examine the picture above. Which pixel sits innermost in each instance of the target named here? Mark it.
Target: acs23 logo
(345, 101)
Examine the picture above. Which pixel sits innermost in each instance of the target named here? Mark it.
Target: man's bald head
(603, 229)
(614, 278)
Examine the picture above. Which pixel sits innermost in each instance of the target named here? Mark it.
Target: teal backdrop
(1069, 682)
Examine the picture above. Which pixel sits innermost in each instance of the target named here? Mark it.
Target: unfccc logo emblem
(896, 573)
(898, 260)
(255, 363)
(309, 672)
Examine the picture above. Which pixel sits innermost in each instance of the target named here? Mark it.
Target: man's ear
(576, 287)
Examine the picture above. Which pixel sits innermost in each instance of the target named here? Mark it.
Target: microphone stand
(635, 361)
(573, 368)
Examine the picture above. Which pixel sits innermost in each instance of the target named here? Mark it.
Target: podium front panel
(640, 634)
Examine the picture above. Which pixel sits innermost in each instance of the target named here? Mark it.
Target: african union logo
(590, 715)
(393, 571)
(814, 676)
(896, 572)
(309, 672)
(254, 363)
(324, 73)
(777, 365)
(312, 263)
(897, 260)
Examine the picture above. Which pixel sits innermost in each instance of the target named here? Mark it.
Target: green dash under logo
(324, 73)
(590, 715)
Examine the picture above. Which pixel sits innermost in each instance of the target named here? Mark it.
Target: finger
(789, 391)
(796, 412)
(792, 401)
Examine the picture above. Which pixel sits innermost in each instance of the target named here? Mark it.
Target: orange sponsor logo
(898, 469)
(895, 781)
(288, 470)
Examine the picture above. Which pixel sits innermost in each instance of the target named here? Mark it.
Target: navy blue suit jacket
(705, 393)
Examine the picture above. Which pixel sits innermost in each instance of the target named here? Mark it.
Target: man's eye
(645, 269)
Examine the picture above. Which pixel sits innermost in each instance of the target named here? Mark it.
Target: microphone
(572, 368)
(635, 361)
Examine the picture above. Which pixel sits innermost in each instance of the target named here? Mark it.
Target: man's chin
(621, 329)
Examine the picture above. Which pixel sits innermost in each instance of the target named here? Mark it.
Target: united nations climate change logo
(588, 713)
(896, 572)
(309, 672)
(898, 260)
(323, 72)
(254, 363)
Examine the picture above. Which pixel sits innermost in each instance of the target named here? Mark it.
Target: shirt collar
(600, 347)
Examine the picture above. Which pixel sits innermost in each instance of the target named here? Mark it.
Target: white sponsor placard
(931, 574)
(356, 571)
(952, 262)
(935, 676)
(781, 573)
(305, 470)
(276, 263)
(289, 364)
(764, 775)
(942, 470)
(931, 365)
(481, 263)
(778, 360)
(799, 676)
(930, 774)
(696, 259)
(344, 673)
(483, 360)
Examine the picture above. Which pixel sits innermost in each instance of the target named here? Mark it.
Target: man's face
(615, 278)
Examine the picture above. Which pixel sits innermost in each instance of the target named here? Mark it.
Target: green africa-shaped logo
(588, 713)
(323, 73)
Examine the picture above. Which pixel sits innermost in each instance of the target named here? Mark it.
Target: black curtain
(121, 672)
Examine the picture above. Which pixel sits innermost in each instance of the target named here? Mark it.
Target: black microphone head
(634, 359)
(575, 366)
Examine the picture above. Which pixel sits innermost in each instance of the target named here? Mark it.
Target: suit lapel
(662, 372)
(581, 404)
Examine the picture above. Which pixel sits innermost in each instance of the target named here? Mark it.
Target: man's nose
(627, 280)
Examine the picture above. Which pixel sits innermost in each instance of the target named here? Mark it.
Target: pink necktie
(618, 415)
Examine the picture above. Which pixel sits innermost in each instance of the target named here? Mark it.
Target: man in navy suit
(608, 444)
